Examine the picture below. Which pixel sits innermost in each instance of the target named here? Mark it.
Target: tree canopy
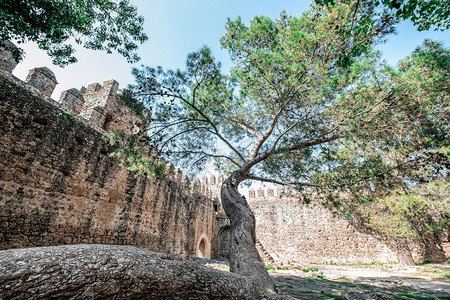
(423, 14)
(96, 24)
(305, 99)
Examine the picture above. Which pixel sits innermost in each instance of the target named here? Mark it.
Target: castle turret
(73, 100)
(97, 99)
(251, 194)
(260, 192)
(107, 113)
(7, 61)
(280, 191)
(42, 79)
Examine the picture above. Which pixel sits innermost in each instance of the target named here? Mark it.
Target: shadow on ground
(373, 281)
(391, 287)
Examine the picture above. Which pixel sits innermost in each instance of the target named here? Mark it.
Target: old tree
(308, 104)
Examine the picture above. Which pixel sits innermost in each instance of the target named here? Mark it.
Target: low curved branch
(206, 119)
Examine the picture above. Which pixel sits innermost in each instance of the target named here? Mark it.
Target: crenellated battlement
(269, 194)
(97, 104)
(208, 186)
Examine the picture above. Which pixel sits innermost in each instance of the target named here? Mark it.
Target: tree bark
(114, 272)
(404, 253)
(244, 257)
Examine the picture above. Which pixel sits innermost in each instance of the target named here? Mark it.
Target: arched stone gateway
(203, 248)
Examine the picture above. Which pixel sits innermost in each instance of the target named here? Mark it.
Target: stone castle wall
(58, 184)
(289, 231)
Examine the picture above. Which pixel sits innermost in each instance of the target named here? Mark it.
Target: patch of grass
(310, 280)
(270, 268)
(372, 264)
(343, 278)
(308, 270)
(366, 287)
(444, 273)
(424, 263)
(354, 264)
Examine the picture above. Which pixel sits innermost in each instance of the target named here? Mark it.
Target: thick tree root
(114, 272)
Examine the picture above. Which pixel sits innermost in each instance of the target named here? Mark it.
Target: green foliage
(415, 214)
(309, 270)
(185, 113)
(423, 14)
(283, 70)
(127, 98)
(412, 295)
(66, 116)
(136, 156)
(97, 24)
(399, 127)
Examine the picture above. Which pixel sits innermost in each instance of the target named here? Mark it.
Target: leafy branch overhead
(96, 24)
(303, 102)
(423, 14)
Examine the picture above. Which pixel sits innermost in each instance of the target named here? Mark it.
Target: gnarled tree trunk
(404, 253)
(244, 257)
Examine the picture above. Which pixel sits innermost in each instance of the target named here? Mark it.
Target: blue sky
(177, 27)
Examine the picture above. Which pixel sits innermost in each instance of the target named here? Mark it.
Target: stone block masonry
(290, 231)
(293, 232)
(58, 184)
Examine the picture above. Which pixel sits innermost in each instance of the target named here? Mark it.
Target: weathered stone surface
(42, 79)
(293, 232)
(7, 62)
(114, 272)
(221, 240)
(106, 113)
(73, 100)
(58, 185)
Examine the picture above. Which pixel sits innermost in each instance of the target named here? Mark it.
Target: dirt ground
(430, 281)
(371, 281)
